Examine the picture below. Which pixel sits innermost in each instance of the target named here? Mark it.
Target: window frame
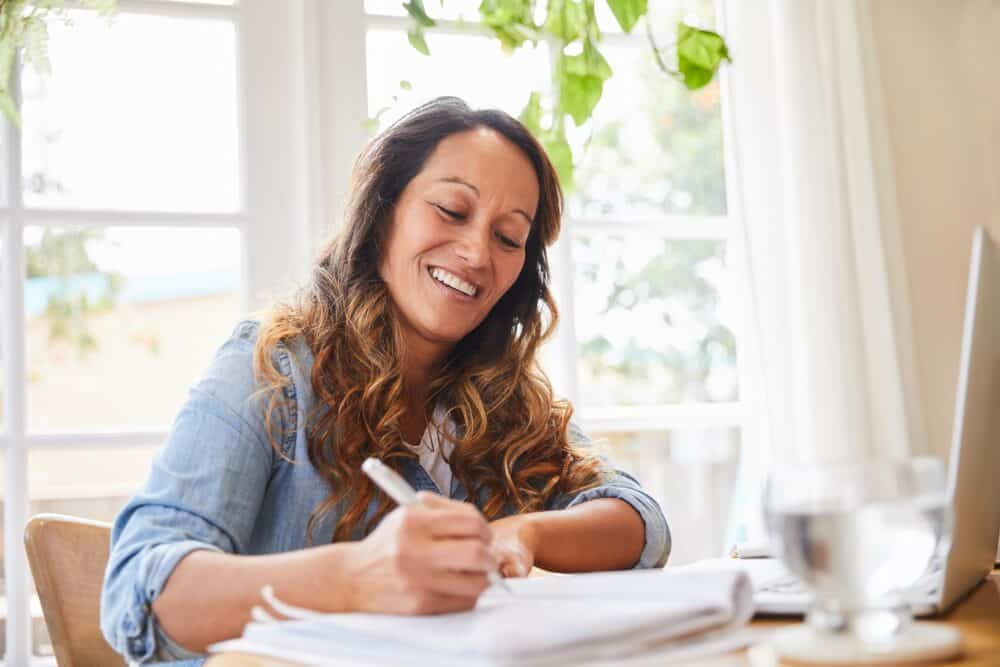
(313, 53)
(269, 38)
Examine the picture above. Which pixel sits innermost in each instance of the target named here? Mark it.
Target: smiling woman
(414, 341)
(456, 245)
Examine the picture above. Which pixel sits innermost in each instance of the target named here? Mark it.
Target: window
(124, 235)
(646, 277)
(138, 209)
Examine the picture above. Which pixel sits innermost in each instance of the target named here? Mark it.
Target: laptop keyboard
(928, 585)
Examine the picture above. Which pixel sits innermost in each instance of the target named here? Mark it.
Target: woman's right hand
(429, 558)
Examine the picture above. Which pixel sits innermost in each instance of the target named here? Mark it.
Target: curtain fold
(829, 332)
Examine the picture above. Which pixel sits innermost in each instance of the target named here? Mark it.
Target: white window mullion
(754, 439)
(15, 410)
(172, 8)
(669, 227)
(664, 417)
(271, 60)
(84, 439)
(340, 87)
(138, 218)
(561, 352)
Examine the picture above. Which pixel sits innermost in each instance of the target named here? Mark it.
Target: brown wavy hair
(511, 451)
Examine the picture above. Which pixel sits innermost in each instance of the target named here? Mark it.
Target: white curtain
(830, 334)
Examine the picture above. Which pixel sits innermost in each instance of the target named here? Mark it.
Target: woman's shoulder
(291, 358)
(247, 332)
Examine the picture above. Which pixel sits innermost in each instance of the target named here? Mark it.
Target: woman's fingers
(452, 518)
(513, 562)
(467, 555)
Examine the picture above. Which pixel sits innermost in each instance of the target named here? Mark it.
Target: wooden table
(978, 617)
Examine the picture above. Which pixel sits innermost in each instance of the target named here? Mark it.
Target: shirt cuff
(143, 635)
(656, 548)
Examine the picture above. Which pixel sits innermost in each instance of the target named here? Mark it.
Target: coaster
(919, 642)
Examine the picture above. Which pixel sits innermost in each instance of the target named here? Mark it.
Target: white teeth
(451, 280)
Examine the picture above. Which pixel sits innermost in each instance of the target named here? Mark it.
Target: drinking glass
(860, 535)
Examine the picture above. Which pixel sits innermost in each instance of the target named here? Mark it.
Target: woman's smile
(453, 286)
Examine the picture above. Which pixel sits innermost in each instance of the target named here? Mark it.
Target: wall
(941, 91)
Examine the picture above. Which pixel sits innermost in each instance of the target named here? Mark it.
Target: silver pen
(399, 490)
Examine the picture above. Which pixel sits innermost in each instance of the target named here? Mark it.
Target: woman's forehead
(484, 160)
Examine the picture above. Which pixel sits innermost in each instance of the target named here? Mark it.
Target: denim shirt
(218, 484)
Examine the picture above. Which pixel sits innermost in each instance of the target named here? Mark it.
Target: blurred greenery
(62, 255)
(630, 359)
(24, 34)
(581, 70)
(676, 166)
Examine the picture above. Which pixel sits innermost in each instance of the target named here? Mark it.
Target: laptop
(974, 466)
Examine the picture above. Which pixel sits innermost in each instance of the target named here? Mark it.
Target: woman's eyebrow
(456, 179)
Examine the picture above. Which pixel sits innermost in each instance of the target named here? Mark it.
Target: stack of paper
(548, 620)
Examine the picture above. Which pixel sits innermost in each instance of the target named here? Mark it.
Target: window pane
(654, 147)
(501, 80)
(653, 321)
(120, 321)
(92, 483)
(138, 114)
(454, 10)
(691, 473)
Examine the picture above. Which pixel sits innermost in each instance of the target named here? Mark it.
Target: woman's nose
(474, 246)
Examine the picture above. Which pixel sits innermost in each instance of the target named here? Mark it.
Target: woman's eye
(454, 215)
(507, 241)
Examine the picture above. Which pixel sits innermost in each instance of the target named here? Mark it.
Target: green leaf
(560, 155)
(565, 19)
(531, 115)
(578, 95)
(699, 54)
(628, 12)
(415, 8)
(581, 82)
(405, 85)
(589, 62)
(510, 20)
(417, 41)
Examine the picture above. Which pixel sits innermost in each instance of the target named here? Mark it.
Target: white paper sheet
(553, 619)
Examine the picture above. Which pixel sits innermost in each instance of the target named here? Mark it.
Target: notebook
(550, 620)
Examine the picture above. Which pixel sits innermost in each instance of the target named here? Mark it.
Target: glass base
(918, 642)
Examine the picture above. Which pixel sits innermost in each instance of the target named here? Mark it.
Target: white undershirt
(434, 449)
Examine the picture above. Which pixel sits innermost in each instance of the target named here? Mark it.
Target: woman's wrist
(529, 530)
(337, 564)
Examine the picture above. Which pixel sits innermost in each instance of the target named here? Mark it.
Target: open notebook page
(569, 618)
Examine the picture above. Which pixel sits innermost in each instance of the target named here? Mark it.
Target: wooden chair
(67, 557)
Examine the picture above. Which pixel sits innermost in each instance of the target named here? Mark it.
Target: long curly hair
(511, 443)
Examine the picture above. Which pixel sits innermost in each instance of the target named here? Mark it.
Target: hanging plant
(579, 78)
(24, 38)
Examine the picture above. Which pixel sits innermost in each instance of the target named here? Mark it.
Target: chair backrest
(67, 557)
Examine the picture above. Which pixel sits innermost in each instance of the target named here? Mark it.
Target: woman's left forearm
(600, 534)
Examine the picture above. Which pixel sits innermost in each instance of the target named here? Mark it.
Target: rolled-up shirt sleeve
(204, 491)
(619, 484)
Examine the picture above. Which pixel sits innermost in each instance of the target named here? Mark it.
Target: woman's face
(456, 239)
